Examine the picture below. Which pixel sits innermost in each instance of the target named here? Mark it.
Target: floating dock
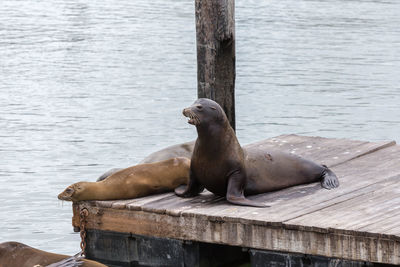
(357, 224)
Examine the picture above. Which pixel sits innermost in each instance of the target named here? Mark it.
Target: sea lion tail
(329, 179)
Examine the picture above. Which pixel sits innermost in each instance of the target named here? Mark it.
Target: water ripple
(91, 85)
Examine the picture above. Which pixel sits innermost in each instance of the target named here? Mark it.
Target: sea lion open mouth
(193, 118)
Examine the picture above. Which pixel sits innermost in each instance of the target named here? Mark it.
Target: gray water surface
(90, 85)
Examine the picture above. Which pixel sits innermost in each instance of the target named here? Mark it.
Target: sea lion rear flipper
(235, 191)
(192, 189)
(329, 180)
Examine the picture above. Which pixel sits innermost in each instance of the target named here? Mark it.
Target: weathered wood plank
(394, 231)
(388, 223)
(377, 200)
(328, 151)
(139, 202)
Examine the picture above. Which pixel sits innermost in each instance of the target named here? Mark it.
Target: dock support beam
(215, 31)
(127, 250)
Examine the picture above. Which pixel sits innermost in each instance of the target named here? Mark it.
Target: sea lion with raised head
(136, 181)
(14, 254)
(220, 165)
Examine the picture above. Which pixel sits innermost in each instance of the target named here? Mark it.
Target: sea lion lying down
(136, 181)
(14, 254)
(180, 150)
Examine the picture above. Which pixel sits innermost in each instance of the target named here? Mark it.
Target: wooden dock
(359, 221)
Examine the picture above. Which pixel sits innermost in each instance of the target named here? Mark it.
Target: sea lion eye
(69, 190)
(200, 107)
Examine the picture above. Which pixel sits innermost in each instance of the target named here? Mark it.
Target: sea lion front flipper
(329, 180)
(192, 189)
(235, 191)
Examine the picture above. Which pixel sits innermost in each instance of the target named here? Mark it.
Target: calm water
(90, 85)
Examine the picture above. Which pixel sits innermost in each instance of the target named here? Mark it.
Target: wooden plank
(328, 151)
(129, 203)
(388, 223)
(139, 202)
(394, 231)
(176, 205)
(377, 200)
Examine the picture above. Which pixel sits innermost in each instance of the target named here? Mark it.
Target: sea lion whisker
(197, 119)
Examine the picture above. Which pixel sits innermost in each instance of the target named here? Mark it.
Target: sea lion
(180, 150)
(222, 166)
(14, 254)
(137, 181)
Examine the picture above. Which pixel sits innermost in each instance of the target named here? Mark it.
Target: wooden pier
(357, 224)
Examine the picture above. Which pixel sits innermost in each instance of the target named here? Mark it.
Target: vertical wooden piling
(215, 31)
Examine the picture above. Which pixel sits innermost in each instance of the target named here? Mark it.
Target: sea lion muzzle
(193, 118)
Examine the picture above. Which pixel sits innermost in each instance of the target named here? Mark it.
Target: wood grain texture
(215, 35)
(328, 151)
(360, 220)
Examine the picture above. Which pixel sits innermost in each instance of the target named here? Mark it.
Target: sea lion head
(73, 192)
(204, 112)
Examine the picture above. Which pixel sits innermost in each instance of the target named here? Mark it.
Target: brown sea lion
(180, 150)
(137, 181)
(14, 254)
(221, 165)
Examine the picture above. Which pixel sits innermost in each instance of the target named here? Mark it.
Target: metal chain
(83, 214)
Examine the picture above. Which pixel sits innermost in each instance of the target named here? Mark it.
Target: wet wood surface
(360, 220)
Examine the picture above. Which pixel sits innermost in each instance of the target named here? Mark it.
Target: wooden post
(215, 30)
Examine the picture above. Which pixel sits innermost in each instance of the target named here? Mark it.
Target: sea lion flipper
(192, 189)
(235, 191)
(329, 180)
(242, 201)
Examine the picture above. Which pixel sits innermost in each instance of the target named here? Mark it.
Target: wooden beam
(215, 31)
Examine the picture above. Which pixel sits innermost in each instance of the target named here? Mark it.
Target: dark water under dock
(86, 86)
